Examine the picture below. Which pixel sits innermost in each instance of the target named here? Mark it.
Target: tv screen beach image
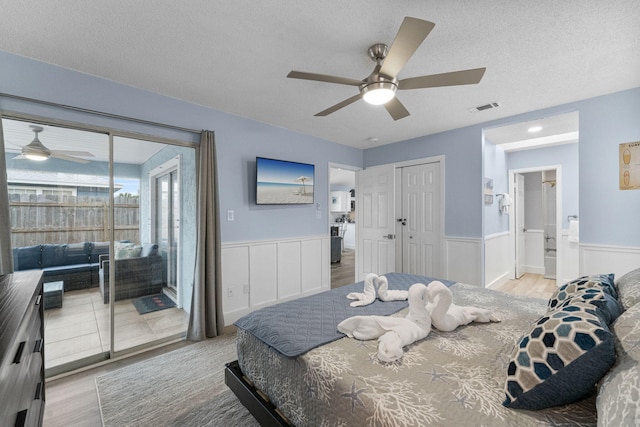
(283, 182)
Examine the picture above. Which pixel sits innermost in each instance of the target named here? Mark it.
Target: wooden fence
(38, 219)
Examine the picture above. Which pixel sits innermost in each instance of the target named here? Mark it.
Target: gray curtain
(6, 257)
(206, 320)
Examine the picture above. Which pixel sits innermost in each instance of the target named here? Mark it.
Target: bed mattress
(454, 378)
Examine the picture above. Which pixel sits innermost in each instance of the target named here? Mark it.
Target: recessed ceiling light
(534, 129)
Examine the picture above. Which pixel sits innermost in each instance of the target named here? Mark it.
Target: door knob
(389, 236)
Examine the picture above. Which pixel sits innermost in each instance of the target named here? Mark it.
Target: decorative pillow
(629, 288)
(596, 281)
(617, 402)
(607, 307)
(127, 250)
(560, 359)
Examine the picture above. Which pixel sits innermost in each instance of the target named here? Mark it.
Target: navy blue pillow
(604, 282)
(560, 359)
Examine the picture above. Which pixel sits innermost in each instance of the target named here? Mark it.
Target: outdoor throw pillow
(127, 250)
(560, 359)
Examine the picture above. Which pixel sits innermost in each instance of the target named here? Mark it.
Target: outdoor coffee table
(53, 293)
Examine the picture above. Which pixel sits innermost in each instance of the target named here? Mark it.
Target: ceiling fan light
(36, 156)
(379, 93)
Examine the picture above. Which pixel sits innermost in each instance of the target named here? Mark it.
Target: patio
(81, 327)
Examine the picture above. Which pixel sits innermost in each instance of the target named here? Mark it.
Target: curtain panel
(206, 319)
(6, 254)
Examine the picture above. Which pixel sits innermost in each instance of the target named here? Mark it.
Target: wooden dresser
(21, 349)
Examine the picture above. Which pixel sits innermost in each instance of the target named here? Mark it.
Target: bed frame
(257, 403)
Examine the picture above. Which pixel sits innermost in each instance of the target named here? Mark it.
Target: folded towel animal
(393, 333)
(375, 285)
(386, 295)
(369, 294)
(446, 316)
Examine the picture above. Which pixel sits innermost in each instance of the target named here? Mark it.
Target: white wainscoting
(463, 259)
(262, 273)
(598, 259)
(496, 256)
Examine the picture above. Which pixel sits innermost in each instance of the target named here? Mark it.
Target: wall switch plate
(319, 214)
(230, 215)
(230, 292)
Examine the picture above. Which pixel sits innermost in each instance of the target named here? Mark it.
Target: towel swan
(446, 316)
(393, 333)
(375, 285)
(386, 295)
(369, 294)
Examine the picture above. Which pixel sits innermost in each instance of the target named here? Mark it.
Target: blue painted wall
(238, 141)
(462, 149)
(608, 215)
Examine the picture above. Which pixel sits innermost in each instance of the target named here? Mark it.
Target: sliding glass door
(101, 217)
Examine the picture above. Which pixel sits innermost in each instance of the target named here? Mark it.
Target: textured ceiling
(234, 56)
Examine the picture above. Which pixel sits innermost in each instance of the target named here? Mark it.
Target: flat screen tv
(280, 182)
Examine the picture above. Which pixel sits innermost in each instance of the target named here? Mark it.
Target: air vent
(485, 107)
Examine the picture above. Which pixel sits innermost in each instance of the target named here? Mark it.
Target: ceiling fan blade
(396, 109)
(454, 78)
(69, 158)
(72, 153)
(338, 106)
(410, 36)
(324, 78)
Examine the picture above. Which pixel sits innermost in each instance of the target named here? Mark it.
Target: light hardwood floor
(344, 272)
(72, 400)
(531, 285)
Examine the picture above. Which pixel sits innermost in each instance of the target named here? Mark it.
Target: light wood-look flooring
(344, 272)
(531, 285)
(72, 400)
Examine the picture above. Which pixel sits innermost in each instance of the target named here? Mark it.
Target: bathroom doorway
(537, 208)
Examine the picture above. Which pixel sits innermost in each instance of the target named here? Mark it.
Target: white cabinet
(340, 201)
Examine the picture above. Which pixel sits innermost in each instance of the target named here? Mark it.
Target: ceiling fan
(380, 86)
(35, 150)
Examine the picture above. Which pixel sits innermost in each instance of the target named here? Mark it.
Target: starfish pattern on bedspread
(354, 395)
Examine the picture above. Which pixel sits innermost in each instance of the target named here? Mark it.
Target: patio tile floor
(81, 327)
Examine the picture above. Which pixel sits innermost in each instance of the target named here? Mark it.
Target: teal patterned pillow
(560, 359)
(596, 281)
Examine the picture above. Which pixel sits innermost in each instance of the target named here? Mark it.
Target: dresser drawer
(21, 349)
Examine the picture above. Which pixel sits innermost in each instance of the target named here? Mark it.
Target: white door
(421, 220)
(375, 220)
(519, 224)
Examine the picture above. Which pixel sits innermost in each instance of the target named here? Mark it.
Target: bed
(449, 378)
